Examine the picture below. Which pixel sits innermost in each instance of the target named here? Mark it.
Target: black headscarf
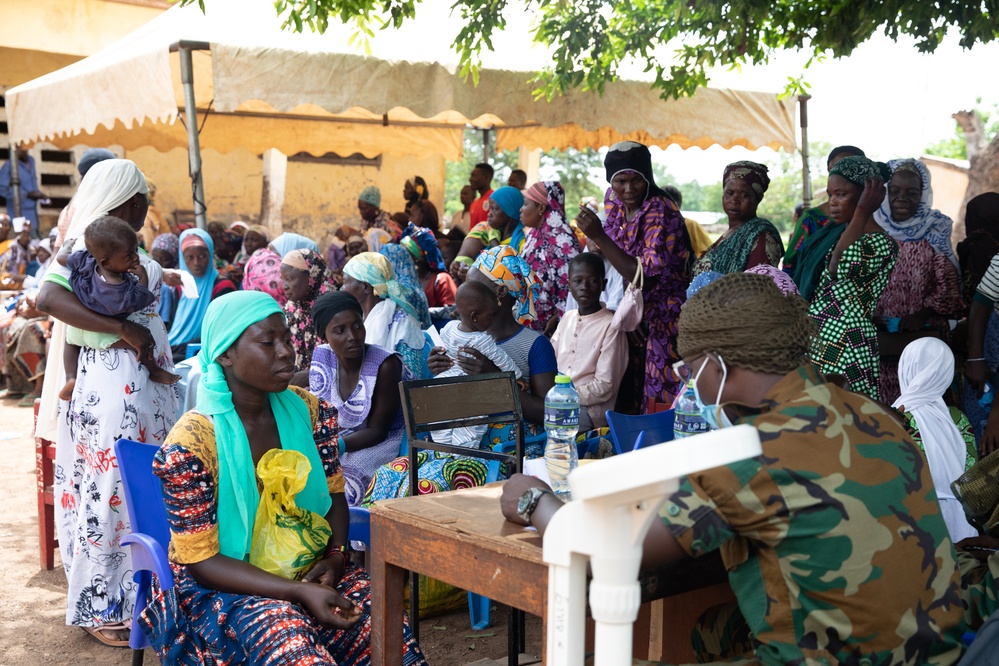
(330, 305)
(633, 156)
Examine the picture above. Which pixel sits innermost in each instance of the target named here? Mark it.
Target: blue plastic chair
(150, 535)
(625, 429)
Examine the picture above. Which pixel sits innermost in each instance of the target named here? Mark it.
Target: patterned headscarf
(632, 156)
(168, 243)
(374, 269)
(753, 173)
(263, 273)
(549, 249)
(405, 273)
(422, 244)
(780, 278)
(858, 169)
(927, 223)
(371, 195)
(299, 313)
(503, 266)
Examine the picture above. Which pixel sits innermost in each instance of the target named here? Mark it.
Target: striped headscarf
(502, 265)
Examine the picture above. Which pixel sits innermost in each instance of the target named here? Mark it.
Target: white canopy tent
(246, 83)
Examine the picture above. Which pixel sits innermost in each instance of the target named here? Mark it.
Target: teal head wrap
(225, 321)
(509, 199)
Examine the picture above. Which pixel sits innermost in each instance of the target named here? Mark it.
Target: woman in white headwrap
(924, 290)
(112, 398)
(925, 372)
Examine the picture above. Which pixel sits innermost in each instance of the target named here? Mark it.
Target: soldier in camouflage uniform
(833, 539)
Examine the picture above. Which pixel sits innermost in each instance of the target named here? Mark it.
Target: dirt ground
(33, 631)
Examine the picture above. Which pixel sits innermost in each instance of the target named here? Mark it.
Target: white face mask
(712, 414)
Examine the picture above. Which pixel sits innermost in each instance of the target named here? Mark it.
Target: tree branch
(974, 132)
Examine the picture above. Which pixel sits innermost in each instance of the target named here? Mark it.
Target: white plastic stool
(613, 505)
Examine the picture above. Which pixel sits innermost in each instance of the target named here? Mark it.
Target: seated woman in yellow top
(222, 604)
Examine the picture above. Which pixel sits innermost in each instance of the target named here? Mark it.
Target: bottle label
(560, 417)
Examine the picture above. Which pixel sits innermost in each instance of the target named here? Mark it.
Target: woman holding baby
(112, 398)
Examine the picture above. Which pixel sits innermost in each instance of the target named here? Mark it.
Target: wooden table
(461, 538)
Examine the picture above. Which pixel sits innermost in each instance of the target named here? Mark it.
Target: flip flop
(28, 400)
(97, 633)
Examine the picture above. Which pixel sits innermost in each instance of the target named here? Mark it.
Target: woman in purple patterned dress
(644, 225)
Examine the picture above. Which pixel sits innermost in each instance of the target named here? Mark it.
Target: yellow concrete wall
(318, 197)
(71, 27)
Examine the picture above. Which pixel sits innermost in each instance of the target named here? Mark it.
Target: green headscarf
(858, 169)
(226, 319)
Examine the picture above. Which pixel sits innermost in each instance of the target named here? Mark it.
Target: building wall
(319, 198)
(949, 179)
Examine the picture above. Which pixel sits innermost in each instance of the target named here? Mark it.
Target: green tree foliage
(955, 147)
(591, 38)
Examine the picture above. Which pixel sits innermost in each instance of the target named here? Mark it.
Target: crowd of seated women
(275, 335)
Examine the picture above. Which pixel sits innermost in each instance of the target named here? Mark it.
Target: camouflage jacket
(833, 538)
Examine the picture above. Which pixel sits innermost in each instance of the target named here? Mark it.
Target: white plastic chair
(613, 505)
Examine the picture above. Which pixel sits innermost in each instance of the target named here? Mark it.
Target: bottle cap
(563, 379)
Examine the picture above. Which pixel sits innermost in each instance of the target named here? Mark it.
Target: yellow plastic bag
(286, 538)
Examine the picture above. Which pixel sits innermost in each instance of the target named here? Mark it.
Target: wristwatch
(529, 502)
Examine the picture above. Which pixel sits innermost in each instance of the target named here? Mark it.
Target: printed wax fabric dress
(847, 341)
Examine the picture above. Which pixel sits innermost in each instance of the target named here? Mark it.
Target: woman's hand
(171, 277)
(327, 571)
(515, 486)
(459, 270)
(976, 372)
(328, 606)
(473, 362)
(551, 326)
(980, 547)
(138, 337)
(589, 223)
(439, 361)
(872, 197)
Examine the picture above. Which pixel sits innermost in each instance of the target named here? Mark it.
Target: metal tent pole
(485, 144)
(193, 145)
(15, 179)
(806, 180)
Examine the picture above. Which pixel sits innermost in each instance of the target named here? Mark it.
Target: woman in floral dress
(549, 247)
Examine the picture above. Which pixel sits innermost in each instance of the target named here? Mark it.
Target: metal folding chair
(450, 402)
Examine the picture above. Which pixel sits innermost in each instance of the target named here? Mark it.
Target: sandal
(28, 400)
(106, 639)
(7, 394)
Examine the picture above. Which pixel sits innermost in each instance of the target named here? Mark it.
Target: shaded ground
(33, 602)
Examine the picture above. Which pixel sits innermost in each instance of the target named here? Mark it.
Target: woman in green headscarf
(245, 408)
(857, 272)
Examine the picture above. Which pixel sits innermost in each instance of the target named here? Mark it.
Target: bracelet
(336, 550)
(972, 360)
(341, 446)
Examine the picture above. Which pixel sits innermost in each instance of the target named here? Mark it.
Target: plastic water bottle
(687, 419)
(561, 424)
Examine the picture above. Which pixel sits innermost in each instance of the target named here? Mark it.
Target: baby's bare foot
(67, 391)
(161, 376)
